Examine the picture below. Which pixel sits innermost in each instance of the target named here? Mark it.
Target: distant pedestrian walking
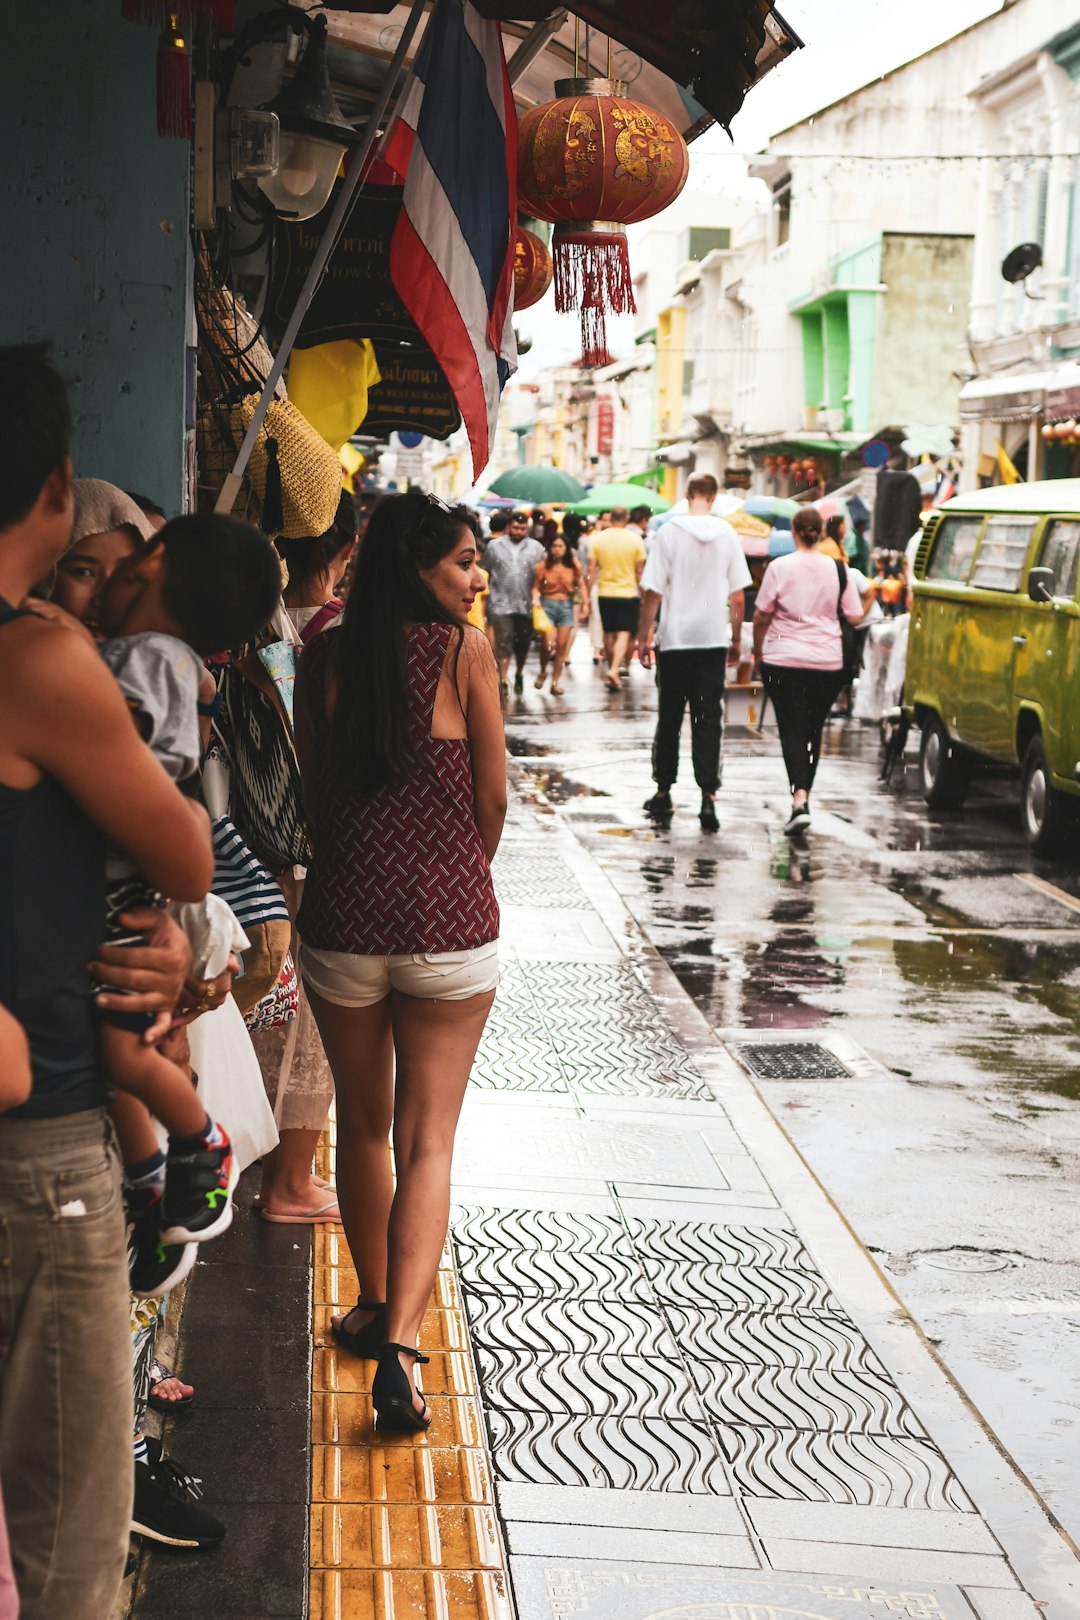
(799, 643)
(511, 562)
(616, 561)
(555, 585)
(698, 573)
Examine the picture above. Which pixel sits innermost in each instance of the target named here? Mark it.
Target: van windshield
(1060, 553)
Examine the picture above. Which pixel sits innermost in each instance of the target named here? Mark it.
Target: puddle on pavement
(556, 786)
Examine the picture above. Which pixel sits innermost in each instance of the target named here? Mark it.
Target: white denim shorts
(360, 981)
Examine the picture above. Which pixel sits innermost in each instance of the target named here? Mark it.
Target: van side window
(1000, 563)
(1060, 553)
(954, 547)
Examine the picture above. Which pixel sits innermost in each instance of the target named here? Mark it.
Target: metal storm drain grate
(792, 1060)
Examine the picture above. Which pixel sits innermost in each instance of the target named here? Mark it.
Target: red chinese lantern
(592, 161)
(533, 269)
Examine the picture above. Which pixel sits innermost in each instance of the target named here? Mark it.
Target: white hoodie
(695, 564)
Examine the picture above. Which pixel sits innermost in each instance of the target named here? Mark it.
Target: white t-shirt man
(695, 565)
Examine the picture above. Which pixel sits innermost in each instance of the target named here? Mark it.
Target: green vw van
(993, 663)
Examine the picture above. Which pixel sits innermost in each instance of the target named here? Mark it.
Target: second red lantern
(533, 269)
(593, 161)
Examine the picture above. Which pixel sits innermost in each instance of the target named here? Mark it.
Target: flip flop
(320, 1181)
(160, 1374)
(309, 1217)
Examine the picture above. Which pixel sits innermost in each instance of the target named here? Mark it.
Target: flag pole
(346, 193)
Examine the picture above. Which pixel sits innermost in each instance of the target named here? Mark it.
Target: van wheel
(1045, 812)
(944, 769)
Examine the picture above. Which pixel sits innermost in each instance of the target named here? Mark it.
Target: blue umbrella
(780, 542)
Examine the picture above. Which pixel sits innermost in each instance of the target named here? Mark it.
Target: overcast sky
(847, 43)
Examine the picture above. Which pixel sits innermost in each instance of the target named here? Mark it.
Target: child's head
(208, 579)
(35, 473)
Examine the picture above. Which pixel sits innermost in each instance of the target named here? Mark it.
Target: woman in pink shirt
(799, 645)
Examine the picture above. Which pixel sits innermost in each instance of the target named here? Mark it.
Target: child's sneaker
(153, 1266)
(198, 1190)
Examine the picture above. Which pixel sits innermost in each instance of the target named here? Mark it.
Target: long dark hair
(369, 729)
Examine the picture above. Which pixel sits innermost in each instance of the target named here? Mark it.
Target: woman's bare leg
(545, 644)
(436, 1043)
(289, 1186)
(564, 640)
(359, 1050)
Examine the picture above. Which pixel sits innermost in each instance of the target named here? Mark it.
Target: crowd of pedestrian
(191, 719)
(250, 793)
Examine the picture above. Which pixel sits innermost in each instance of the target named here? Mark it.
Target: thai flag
(452, 254)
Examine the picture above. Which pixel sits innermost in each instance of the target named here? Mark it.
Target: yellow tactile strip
(402, 1527)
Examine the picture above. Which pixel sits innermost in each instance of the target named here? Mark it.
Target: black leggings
(802, 699)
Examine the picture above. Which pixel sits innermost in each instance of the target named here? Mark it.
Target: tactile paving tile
(771, 1339)
(527, 1229)
(643, 1454)
(601, 1327)
(511, 1059)
(600, 1386)
(834, 1400)
(537, 877)
(591, 1027)
(562, 1275)
(741, 1288)
(867, 1470)
(662, 1242)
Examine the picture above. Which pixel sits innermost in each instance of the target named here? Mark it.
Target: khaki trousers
(65, 1365)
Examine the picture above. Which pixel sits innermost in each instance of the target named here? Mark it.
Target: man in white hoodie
(697, 569)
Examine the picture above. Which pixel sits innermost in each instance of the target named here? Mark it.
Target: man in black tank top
(73, 772)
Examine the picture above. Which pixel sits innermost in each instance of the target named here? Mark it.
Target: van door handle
(1019, 641)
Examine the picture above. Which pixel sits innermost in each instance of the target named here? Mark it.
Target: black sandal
(160, 1374)
(366, 1341)
(392, 1392)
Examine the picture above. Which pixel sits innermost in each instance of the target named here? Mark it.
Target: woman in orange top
(555, 583)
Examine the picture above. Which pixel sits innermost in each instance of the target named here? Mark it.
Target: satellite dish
(1019, 264)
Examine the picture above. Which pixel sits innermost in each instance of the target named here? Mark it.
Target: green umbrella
(605, 496)
(537, 485)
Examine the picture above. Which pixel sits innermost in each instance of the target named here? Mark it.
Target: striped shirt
(242, 881)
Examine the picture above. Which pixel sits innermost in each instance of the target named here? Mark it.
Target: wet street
(933, 945)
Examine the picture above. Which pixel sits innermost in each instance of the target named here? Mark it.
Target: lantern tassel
(594, 349)
(593, 262)
(173, 83)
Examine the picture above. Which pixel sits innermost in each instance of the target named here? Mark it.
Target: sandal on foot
(160, 1374)
(392, 1392)
(366, 1341)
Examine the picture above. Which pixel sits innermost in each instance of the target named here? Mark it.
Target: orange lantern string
(533, 269)
(592, 162)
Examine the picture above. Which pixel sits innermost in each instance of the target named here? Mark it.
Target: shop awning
(1063, 393)
(837, 444)
(695, 65)
(1018, 397)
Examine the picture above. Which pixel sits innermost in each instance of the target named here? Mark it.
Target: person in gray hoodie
(698, 571)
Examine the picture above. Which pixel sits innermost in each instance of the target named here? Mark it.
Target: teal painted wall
(95, 250)
(837, 357)
(813, 358)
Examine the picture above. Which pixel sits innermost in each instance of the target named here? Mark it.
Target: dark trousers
(802, 699)
(695, 677)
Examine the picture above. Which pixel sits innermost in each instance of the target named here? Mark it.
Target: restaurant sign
(413, 396)
(356, 297)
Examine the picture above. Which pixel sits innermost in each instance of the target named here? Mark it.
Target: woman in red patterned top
(400, 737)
